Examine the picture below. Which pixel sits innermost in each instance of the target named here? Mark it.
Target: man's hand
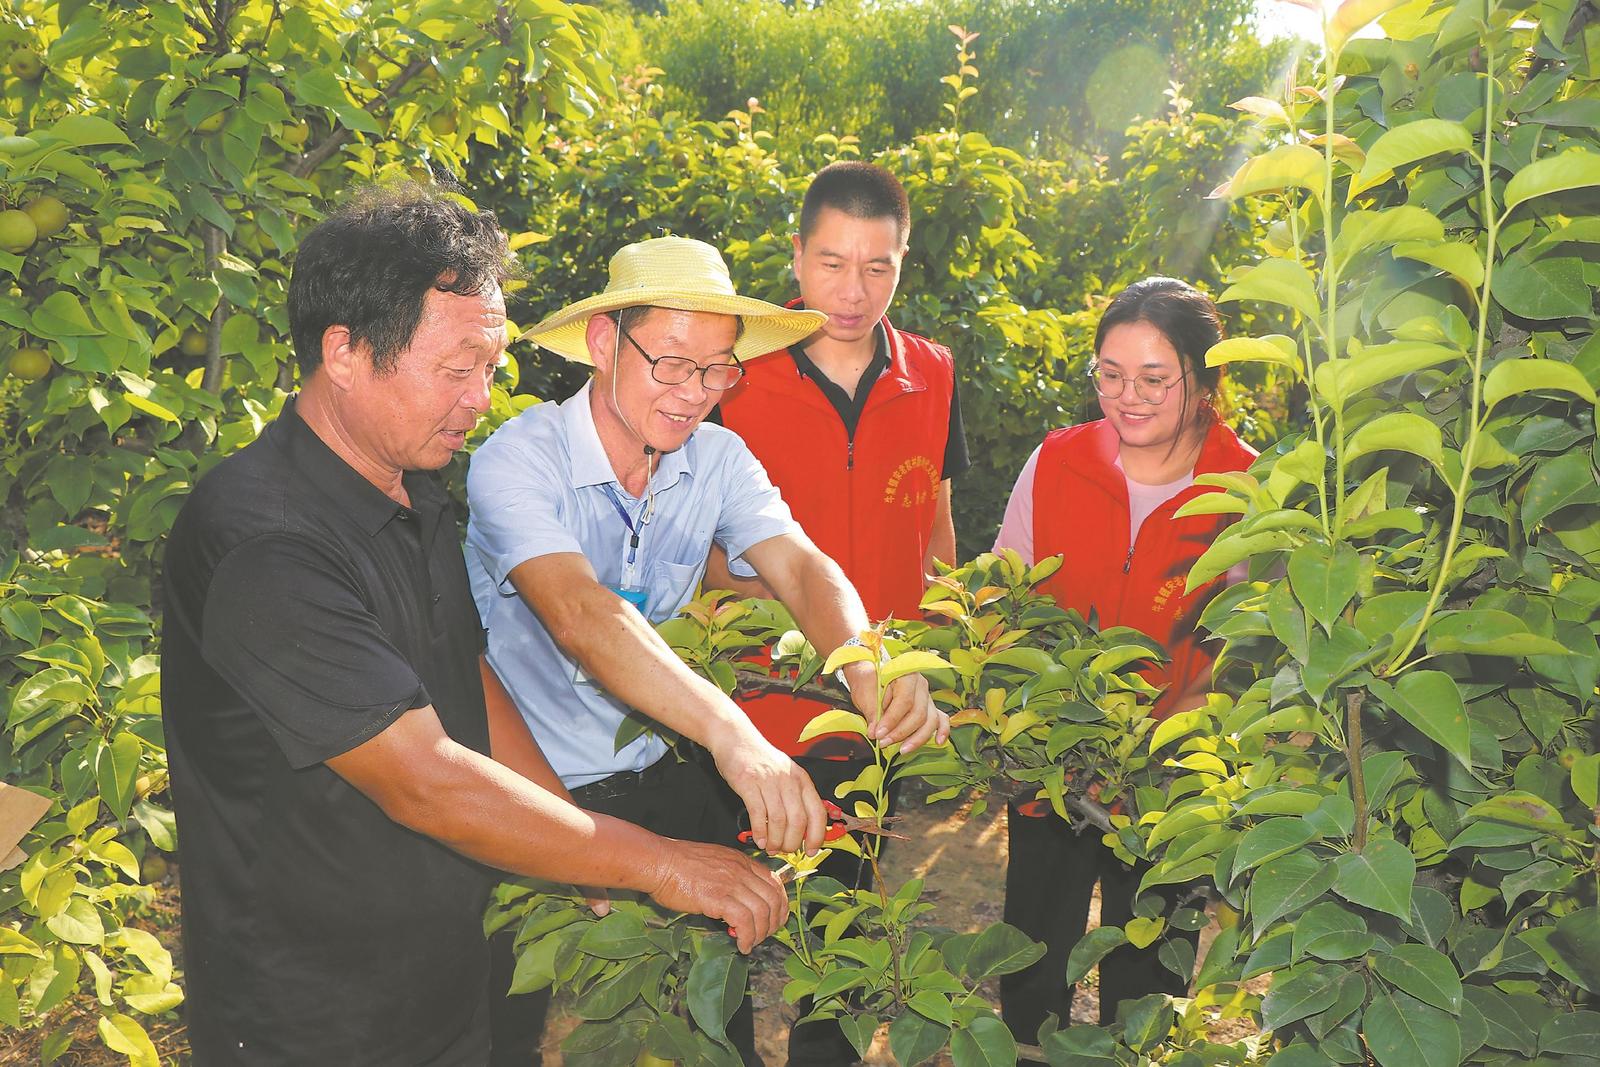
(909, 717)
(723, 884)
(785, 812)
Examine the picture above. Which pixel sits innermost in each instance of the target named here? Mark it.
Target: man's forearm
(618, 648)
(824, 604)
(490, 813)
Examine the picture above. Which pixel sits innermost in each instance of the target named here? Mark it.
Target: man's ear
(340, 355)
(794, 264)
(601, 337)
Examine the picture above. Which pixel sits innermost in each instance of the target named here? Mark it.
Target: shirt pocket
(671, 586)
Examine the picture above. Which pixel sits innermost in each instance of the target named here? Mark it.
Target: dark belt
(624, 782)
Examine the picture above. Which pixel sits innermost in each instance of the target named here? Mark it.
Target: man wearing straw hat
(592, 520)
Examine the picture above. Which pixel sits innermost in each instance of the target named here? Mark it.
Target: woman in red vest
(1103, 495)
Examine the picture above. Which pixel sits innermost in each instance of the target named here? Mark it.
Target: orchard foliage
(1404, 802)
(167, 156)
(1063, 80)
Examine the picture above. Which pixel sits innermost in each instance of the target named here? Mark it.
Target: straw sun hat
(676, 272)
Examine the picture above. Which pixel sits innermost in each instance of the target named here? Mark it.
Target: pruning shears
(840, 824)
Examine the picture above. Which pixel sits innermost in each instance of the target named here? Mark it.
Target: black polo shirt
(305, 612)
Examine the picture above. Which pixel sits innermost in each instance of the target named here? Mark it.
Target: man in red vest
(859, 428)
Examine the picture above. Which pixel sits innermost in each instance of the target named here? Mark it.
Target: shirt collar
(590, 464)
(888, 356)
(370, 506)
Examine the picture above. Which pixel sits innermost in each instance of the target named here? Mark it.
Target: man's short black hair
(371, 264)
(859, 189)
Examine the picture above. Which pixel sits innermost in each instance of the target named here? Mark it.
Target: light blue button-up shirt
(542, 484)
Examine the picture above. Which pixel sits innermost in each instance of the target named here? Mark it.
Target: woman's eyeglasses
(1151, 388)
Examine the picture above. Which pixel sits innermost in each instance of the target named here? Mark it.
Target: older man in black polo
(337, 802)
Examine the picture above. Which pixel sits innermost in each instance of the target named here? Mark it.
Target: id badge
(633, 595)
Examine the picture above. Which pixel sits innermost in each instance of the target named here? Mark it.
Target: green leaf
(932, 1004)
(1430, 701)
(1180, 724)
(1145, 1022)
(1294, 996)
(78, 924)
(1324, 578)
(1402, 1031)
(835, 721)
(61, 314)
(22, 620)
(1230, 549)
(1362, 230)
(1519, 807)
(716, 986)
(1400, 431)
(1536, 286)
(1406, 144)
(619, 936)
(1351, 16)
(1299, 1054)
(122, 1033)
(1001, 949)
(914, 662)
(913, 1038)
(985, 1043)
(845, 655)
(1277, 281)
(1585, 776)
(1515, 376)
(84, 131)
(1540, 876)
(1378, 877)
(1487, 632)
(1287, 166)
(1379, 363)
(1576, 941)
(116, 770)
(1143, 931)
(607, 999)
(860, 1030)
(1575, 1033)
(1330, 931)
(1423, 972)
(1553, 174)
(1508, 1026)
(1285, 885)
(1091, 948)
(1270, 839)
(1458, 260)
(1276, 349)
(1082, 1046)
(1564, 481)
(535, 966)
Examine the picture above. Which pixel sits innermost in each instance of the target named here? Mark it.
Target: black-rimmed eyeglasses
(675, 370)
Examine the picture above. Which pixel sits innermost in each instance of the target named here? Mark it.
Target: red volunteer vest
(869, 504)
(1080, 509)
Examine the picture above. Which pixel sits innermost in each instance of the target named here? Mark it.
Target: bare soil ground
(962, 858)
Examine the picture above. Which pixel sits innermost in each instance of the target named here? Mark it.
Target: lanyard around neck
(634, 528)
